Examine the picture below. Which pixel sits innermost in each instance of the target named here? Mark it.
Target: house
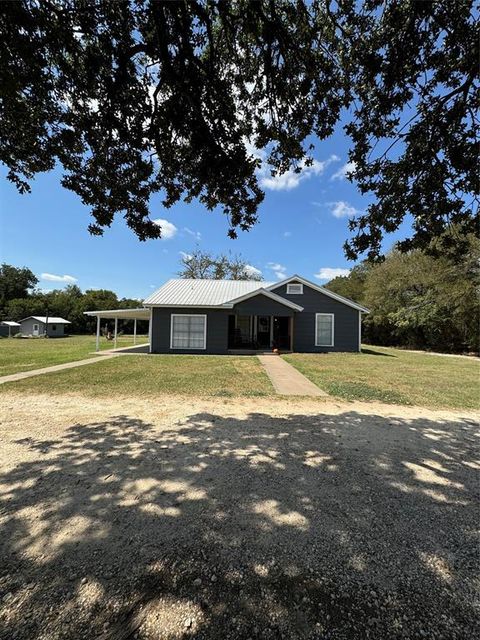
(37, 326)
(9, 328)
(228, 316)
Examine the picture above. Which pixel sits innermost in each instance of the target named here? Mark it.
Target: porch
(259, 333)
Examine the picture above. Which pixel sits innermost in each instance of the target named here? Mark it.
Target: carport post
(115, 335)
(135, 331)
(97, 344)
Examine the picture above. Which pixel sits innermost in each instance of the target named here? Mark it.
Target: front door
(35, 329)
(263, 331)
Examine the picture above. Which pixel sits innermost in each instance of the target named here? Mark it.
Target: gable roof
(266, 293)
(190, 292)
(316, 287)
(180, 292)
(51, 319)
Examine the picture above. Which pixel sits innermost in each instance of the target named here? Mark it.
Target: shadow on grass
(372, 352)
(343, 526)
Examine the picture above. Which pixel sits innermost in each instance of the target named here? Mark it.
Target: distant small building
(37, 325)
(9, 328)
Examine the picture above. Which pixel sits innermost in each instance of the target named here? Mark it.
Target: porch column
(97, 344)
(135, 331)
(150, 331)
(115, 334)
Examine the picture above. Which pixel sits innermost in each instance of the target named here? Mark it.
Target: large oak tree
(143, 96)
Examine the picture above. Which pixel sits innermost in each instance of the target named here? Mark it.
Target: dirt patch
(225, 518)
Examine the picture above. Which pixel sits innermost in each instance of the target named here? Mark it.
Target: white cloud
(287, 234)
(185, 256)
(291, 179)
(341, 174)
(195, 234)
(169, 230)
(278, 269)
(342, 209)
(51, 277)
(250, 270)
(328, 273)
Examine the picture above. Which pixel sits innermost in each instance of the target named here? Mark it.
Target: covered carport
(120, 314)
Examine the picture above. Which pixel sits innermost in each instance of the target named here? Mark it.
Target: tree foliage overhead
(144, 96)
(202, 264)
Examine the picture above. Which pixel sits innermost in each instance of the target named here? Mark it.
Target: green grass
(137, 375)
(394, 376)
(25, 354)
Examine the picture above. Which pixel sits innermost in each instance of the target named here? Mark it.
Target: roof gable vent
(295, 288)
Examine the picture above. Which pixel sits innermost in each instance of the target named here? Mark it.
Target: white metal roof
(179, 292)
(10, 323)
(201, 293)
(121, 314)
(51, 319)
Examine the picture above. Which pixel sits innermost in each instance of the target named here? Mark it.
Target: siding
(345, 325)
(261, 305)
(217, 330)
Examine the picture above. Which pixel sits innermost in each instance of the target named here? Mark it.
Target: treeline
(19, 298)
(418, 301)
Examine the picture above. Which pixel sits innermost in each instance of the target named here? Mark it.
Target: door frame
(270, 328)
(36, 331)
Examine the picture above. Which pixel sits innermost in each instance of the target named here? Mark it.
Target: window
(54, 327)
(324, 329)
(188, 332)
(295, 288)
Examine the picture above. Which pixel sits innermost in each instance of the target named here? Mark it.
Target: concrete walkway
(57, 367)
(287, 380)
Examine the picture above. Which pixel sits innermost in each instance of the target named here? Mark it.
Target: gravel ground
(229, 518)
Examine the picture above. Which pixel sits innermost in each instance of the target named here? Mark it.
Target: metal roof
(201, 293)
(51, 319)
(10, 323)
(121, 314)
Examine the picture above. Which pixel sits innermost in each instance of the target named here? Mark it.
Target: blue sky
(303, 223)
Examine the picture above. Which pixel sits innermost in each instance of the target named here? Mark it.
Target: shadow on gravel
(346, 526)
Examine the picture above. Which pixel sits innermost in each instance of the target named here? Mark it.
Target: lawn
(155, 375)
(394, 376)
(25, 354)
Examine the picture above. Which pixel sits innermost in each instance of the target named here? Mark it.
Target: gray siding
(261, 305)
(27, 328)
(217, 330)
(345, 323)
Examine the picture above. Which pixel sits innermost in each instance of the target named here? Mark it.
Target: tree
(15, 282)
(353, 285)
(135, 98)
(420, 301)
(202, 264)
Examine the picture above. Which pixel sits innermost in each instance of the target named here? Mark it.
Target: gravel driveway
(172, 518)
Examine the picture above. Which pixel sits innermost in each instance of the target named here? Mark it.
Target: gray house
(36, 326)
(232, 316)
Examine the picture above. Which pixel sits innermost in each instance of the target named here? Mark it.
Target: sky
(303, 223)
